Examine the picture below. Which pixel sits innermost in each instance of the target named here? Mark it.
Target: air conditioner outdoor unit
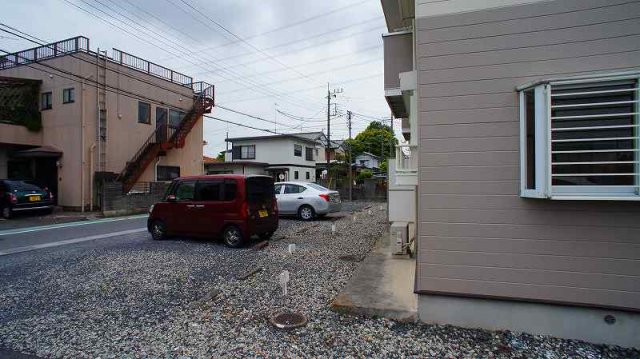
(399, 233)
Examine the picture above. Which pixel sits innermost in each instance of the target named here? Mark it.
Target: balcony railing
(406, 159)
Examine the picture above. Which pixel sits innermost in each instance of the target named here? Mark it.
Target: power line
(241, 125)
(133, 95)
(320, 72)
(285, 26)
(306, 39)
(244, 99)
(44, 43)
(246, 114)
(322, 59)
(136, 78)
(311, 46)
(146, 41)
(244, 41)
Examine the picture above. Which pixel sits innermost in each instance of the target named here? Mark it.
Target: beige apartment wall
(477, 237)
(62, 125)
(19, 135)
(188, 158)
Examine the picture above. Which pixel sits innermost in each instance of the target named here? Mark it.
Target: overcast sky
(291, 49)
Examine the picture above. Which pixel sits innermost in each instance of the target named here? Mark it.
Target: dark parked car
(19, 196)
(233, 206)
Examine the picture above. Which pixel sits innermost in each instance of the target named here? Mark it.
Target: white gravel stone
(182, 299)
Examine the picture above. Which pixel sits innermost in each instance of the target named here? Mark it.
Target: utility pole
(350, 169)
(275, 117)
(328, 147)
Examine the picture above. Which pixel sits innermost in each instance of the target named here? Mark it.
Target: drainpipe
(82, 142)
(91, 152)
(155, 170)
(82, 148)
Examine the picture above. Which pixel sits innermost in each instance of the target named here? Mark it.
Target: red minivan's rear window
(259, 189)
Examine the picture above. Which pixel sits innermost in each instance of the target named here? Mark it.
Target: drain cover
(288, 320)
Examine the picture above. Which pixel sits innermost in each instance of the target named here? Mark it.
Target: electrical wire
(146, 41)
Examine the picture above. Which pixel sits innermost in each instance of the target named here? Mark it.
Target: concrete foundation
(382, 286)
(588, 324)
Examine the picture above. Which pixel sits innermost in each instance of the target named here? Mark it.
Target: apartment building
(523, 161)
(285, 157)
(72, 117)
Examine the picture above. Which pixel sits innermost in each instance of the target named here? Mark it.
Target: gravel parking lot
(137, 298)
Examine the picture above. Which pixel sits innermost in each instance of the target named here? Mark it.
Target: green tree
(220, 156)
(377, 139)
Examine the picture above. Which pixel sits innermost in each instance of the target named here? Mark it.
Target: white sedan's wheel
(306, 213)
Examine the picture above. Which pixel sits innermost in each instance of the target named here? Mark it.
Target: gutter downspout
(82, 148)
(91, 152)
(155, 170)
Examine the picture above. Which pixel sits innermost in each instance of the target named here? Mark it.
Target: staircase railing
(166, 137)
(161, 135)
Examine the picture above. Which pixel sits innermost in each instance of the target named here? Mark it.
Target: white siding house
(290, 157)
(367, 160)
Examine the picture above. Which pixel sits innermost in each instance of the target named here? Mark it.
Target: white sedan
(306, 200)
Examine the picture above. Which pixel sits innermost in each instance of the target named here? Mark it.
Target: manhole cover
(288, 320)
(350, 258)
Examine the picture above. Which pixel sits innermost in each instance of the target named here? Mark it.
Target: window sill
(594, 198)
(64, 103)
(564, 197)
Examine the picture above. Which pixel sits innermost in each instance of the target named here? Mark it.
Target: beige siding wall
(62, 125)
(476, 235)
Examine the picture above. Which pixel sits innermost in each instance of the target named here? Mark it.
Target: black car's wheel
(266, 236)
(306, 213)
(232, 237)
(7, 212)
(158, 230)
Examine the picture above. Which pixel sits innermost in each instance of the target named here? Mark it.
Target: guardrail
(406, 158)
(151, 68)
(48, 51)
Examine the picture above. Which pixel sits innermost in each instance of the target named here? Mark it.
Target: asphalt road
(35, 238)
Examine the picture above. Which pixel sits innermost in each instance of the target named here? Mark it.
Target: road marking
(65, 225)
(68, 241)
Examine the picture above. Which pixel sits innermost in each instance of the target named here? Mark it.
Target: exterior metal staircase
(167, 137)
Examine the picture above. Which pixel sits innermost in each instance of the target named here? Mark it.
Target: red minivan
(234, 206)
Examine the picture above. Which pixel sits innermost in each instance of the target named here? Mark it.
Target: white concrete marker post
(292, 248)
(333, 228)
(284, 279)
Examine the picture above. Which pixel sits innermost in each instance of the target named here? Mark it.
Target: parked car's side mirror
(171, 198)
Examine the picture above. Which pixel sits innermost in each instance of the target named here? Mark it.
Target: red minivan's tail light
(325, 197)
(244, 210)
(12, 198)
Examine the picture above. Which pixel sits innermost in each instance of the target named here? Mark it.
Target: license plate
(34, 198)
(263, 213)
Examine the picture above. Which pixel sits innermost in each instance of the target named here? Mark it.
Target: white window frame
(543, 148)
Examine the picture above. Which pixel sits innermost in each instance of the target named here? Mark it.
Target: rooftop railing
(44, 52)
(81, 44)
(151, 68)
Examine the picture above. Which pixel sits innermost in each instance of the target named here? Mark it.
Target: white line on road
(68, 241)
(65, 225)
